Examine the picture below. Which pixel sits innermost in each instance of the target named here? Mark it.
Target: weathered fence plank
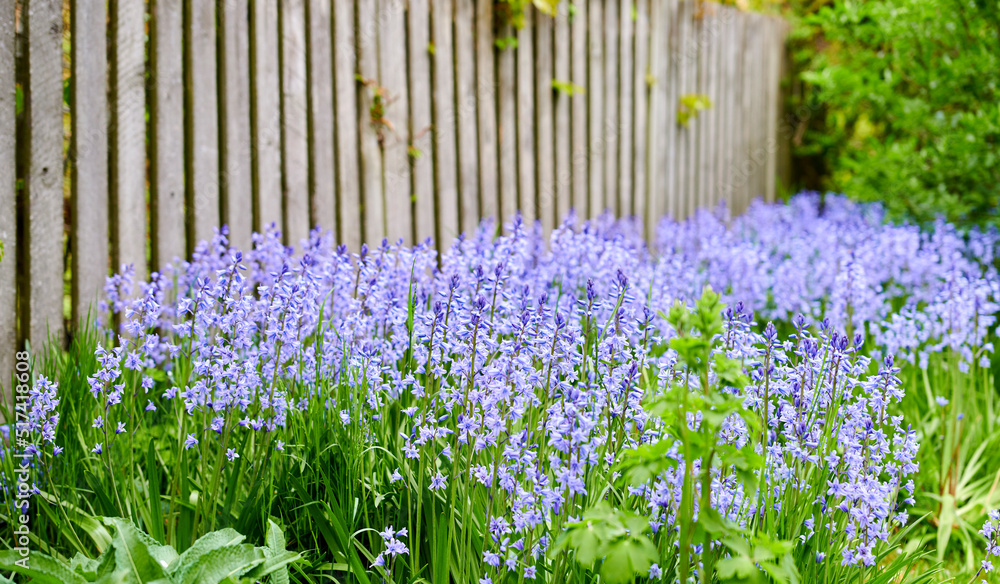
(640, 96)
(421, 132)
(544, 140)
(128, 136)
(322, 156)
(612, 115)
(166, 159)
(370, 122)
(266, 111)
(43, 171)
(443, 105)
(234, 118)
(659, 61)
(626, 91)
(563, 146)
(201, 91)
(507, 125)
(465, 115)
(88, 157)
(578, 111)
(596, 128)
(345, 65)
(527, 202)
(486, 98)
(295, 126)
(396, 163)
(8, 203)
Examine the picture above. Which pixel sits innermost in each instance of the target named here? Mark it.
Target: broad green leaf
(41, 568)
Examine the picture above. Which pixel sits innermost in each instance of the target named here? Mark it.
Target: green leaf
(139, 557)
(946, 523)
(221, 564)
(41, 568)
(204, 544)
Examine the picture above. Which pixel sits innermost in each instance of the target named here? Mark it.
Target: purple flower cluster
(521, 364)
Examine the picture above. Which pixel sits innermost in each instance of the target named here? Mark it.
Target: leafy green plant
(690, 105)
(567, 88)
(219, 557)
(896, 102)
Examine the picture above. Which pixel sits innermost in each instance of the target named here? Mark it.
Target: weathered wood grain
(266, 114)
(421, 139)
(466, 117)
(544, 139)
(563, 175)
(8, 203)
(626, 92)
(506, 59)
(322, 154)
(640, 128)
(579, 59)
(202, 109)
(88, 158)
(346, 125)
(234, 121)
(295, 124)
(596, 124)
(486, 102)
(526, 153)
(44, 172)
(445, 155)
(395, 139)
(166, 157)
(612, 122)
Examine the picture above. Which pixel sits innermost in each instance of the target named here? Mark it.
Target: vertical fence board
(578, 109)
(201, 91)
(640, 127)
(266, 112)
(706, 49)
(43, 170)
(612, 115)
(746, 118)
(728, 46)
(678, 200)
(167, 126)
(466, 116)
(128, 136)
(486, 95)
(773, 104)
(8, 203)
(234, 117)
(89, 157)
(294, 127)
(626, 90)
(596, 140)
(563, 172)
(322, 161)
(659, 59)
(696, 123)
(421, 132)
(544, 139)
(346, 128)
(526, 123)
(396, 164)
(369, 85)
(507, 125)
(443, 73)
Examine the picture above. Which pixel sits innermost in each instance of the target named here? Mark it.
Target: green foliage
(898, 103)
(690, 105)
(219, 557)
(512, 12)
(567, 88)
(617, 539)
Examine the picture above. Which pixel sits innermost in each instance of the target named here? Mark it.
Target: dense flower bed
(476, 407)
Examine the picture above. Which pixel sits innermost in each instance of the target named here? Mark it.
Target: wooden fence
(131, 129)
